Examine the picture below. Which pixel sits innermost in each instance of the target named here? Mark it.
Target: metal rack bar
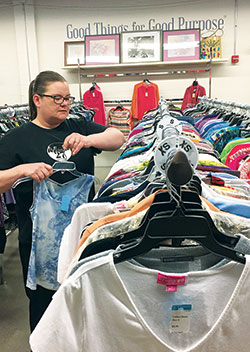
(146, 74)
(13, 106)
(172, 72)
(205, 99)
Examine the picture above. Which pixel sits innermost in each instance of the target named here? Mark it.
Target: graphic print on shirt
(57, 152)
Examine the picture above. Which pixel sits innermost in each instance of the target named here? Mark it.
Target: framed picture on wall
(141, 46)
(74, 51)
(181, 45)
(102, 49)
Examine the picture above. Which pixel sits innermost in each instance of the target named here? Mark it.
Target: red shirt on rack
(93, 99)
(191, 96)
(145, 97)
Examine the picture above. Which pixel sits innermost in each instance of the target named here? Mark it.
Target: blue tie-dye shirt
(51, 211)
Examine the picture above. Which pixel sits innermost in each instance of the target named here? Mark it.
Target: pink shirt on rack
(145, 97)
(191, 96)
(93, 99)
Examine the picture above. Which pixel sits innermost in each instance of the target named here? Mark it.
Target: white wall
(9, 75)
(47, 22)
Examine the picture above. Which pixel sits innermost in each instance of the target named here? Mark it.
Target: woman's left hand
(75, 142)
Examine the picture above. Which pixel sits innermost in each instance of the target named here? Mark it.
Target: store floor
(14, 325)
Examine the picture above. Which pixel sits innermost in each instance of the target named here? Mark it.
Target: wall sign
(102, 28)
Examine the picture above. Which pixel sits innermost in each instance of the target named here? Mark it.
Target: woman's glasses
(58, 99)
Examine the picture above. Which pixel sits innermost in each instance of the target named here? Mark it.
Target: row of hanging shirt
(166, 299)
(141, 144)
(227, 129)
(145, 97)
(78, 110)
(118, 117)
(16, 115)
(12, 117)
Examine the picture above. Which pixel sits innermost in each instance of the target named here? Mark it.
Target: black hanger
(146, 80)
(184, 222)
(195, 83)
(178, 226)
(92, 88)
(118, 107)
(162, 202)
(227, 115)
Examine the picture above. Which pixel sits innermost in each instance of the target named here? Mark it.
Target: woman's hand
(75, 142)
(37, 171)
(111, 139)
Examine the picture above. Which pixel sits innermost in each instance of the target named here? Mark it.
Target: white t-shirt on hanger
(122, 308)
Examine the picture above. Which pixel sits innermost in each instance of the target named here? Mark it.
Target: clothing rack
(13, 106)
(207, 100)
(76, 103)
(10, 111)
(146, 74)
(13, 117)
(127, 101)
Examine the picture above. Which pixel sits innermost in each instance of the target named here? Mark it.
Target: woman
(31, 150)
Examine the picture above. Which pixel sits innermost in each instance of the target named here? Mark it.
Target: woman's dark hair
(39, 85)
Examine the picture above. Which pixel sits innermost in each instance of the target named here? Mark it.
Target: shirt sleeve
(86, 127)
(94, 127)
(8, 147)
(60, 324)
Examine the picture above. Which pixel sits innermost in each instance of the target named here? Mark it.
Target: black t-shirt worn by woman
(30, 143)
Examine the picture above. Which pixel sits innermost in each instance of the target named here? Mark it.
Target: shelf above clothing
(146, 67)
(154, 70)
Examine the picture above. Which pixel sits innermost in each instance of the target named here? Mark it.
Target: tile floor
(14, 325)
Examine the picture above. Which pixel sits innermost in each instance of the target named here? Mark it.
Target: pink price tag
(171, 288)
(171, 280)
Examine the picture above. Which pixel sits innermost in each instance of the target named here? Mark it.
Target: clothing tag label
(171, 288)
(146, 94)
(180, 318)
(193, 95)
(122, 205)
(177, 258)
(170, 280)
(65, 203)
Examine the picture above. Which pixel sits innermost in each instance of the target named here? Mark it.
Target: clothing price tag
(164, 279)
(146, 94)
(180, 321)
(65, 203)
(170, 281)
